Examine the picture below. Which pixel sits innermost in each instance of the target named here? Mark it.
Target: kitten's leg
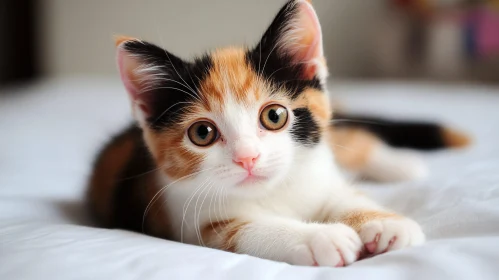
(287, 240)
(360, 151)
(388, 164)
(380, 230)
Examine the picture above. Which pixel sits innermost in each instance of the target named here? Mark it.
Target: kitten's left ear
(295, 36)
(143, 68)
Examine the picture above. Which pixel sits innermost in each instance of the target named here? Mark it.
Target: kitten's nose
(246, 162)
(245, 154)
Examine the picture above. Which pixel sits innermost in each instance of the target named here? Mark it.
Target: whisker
(188, 93)
(217, 218)
(209, 210)
(186, 208)
(175, 69)
(196, 225)
(141, 174)
(200, 237)
(160, 77)
(224, 203)
(259, 56)
(270, 76)
(156, 196)
(219, 200)
(178, 103)
(266, 60)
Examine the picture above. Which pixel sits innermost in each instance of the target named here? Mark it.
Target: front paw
(332, 245)
(380, 236)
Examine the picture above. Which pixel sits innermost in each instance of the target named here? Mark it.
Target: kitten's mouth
(251, 179)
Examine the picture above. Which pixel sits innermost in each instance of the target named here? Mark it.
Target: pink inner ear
(126, 67)
(312, 24)
(309, 44)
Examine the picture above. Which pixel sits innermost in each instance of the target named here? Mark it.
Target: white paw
(332, 245)
(381, 236)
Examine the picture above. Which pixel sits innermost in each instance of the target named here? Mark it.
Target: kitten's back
(108, 168)
(122, 184)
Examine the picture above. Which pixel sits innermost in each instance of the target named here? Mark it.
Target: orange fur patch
(119, 39)
(317, 102)
(352, 147)
(358, 218)
(230, 242)
(169, 153)
(454, 138)
(215, 227)
(225, 231)
(230, 75)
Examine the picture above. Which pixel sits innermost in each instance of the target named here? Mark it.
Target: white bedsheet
(49, 133)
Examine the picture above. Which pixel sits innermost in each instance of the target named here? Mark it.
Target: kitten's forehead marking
(230, 75)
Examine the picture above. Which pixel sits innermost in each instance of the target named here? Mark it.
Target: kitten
(235, 151)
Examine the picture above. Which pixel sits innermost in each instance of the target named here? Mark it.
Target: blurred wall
(77, 35)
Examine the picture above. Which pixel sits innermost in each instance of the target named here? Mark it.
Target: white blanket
(50, 132)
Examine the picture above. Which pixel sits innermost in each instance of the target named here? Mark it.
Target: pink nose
(246, 162)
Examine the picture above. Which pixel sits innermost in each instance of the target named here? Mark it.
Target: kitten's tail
(406, 134)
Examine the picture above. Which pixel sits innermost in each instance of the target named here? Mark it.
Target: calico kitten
(235, 150)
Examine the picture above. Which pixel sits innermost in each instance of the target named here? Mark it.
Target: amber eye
(274, 117)
(203, 133)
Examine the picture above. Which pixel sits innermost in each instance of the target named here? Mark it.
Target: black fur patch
(397, 133)
(305, 130)
(129, 198)
(279, 67)
(168, 98)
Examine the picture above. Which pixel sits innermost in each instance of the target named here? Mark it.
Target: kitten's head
(236, 118)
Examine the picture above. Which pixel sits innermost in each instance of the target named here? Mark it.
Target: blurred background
(442, 40)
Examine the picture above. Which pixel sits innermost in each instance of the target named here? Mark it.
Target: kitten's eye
(274, 117)
(202, 133)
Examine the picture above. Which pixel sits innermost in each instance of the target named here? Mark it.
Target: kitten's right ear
(292, 45)
(142, 67)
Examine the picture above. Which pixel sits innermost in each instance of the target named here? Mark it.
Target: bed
(51, 129)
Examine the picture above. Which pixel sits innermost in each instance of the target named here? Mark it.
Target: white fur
(387, 164)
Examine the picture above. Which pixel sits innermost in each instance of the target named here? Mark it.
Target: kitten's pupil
(203, 131)
(274, 115)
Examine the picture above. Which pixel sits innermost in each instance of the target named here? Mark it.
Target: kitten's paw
(330, 245)
(380, 236)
